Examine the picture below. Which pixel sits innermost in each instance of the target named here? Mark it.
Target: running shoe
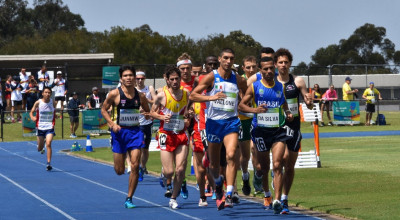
(145, 171)
(168, 192)
(42, 151)
(71, 136)
(268, 202)
(128, 170)
(235, 198)
(129, 204)
(220, 197)
(203, 202)
(228, 201)
(48, 167)
(140, 179)
(163, 180)
(257, 183)
(277, 207)
(184, 191)
(285, 207)
(173, 204)
(214, 196)
(322, 124)
(246, 187)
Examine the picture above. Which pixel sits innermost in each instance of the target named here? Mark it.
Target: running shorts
(264, 138)
(170, 141)
(217, 129)
(127, 139)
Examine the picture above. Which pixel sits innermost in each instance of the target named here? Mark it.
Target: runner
(169, 107)
(268, 132)
(294, 87)
(126, 134)
(145, 125)
(222, 120)
(45, 120)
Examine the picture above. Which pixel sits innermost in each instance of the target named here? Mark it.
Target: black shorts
(16, 103)
(24, 96)
(370, 108)
(264, 138)
(74, 119)
(59, 98)
(146, 129)
(293, 144)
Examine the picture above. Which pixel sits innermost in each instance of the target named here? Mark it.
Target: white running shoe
(173, 204)
(203, 202)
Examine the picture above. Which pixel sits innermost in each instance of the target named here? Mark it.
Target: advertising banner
(93, 122)
(346, 112)
(28, 126)
(110, 77)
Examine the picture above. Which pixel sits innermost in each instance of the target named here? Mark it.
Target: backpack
(380, 119)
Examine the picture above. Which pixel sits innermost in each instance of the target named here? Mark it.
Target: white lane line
(38, 198)
(107, 187)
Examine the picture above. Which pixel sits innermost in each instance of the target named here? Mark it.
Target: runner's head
(197, 69)
(267, 68)
(173, 77)
(211, 63)
(127, 74)
(184, 64)
(249, 65)
(46, 93)
(226, 59)
(283, 60)
(140, 78)
(267, 52)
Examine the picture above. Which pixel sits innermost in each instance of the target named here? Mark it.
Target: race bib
(293, 106)
(247, 114)
(46, 117)
(176, 124)
(129, 117)
(270, 119)
(228, 104)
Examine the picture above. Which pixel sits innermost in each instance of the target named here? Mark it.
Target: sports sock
(284, 197)
(229, 190)
(245, 176)
(267, 194)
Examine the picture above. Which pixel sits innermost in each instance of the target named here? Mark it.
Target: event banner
(93, 122)
(110, 77)
(346, 112)
(28, 126)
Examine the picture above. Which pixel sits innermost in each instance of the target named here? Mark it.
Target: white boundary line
(104, 186)
(38, 197)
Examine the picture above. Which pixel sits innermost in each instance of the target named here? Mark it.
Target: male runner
(125, 132)
(294, 87)
(145, 125)
(169, 107)
(222, 124)
(268, 132)
(45, 120)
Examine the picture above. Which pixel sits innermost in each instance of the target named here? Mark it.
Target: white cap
(59, 72)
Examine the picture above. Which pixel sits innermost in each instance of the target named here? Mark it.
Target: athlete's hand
(289, 117)
(116, 128)
(261, 108)
(145, 114)
(219, 95)
(167, 118)
(34, 118)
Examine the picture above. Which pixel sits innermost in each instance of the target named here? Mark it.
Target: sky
(302, 26)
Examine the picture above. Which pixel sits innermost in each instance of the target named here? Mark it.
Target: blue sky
(302, 26)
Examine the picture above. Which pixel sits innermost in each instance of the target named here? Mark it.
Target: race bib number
(293, 106)
(270, 119)
(129, 117)
(260, 144)
(162, 141)
(176, 124)
(203, 136)
(46, 117)
(228, 104)
(289, 131)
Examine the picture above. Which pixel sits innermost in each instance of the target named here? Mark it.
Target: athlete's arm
(289, 115)
(153, 95)
(156, 108)
(109, 102)
(242, 83)
(33, 118)
(206, 83)
(306, 96)
(243, 107)
(144, 105)
(252, 79)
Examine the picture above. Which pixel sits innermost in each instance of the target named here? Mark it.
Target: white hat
(59, 72)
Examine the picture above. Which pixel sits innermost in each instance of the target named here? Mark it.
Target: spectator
(94, 99)
(61, 90)
(73, 111)
(24, 84)
(1, 105)
(43, 79)
(16, 99)
(31, 93)
(369, 95)
(348, 93)
(7, 93)
(327, 98)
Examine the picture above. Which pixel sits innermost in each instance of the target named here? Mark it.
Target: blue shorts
(44, 133)
(146, 129)
(127, 139)
(217, 129)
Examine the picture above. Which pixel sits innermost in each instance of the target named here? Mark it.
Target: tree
(14, 19)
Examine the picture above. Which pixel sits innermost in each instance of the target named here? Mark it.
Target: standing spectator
(16, 99)
(369, 95)
(73, 111)
(24, 84)
(1, 104)
(327, 98)
(94, 99)
(61, 90)
(43, 79)
(7, 93)
(31, 93)
(348, 93)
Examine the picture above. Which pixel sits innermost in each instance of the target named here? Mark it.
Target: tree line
(51, 28)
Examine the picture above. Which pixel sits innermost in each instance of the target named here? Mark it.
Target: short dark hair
(283, 52)
(227, 50)
(44, 88)
(126, 67)
(265, 59)
(267, 50)
(171, 69)
(249, 59)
